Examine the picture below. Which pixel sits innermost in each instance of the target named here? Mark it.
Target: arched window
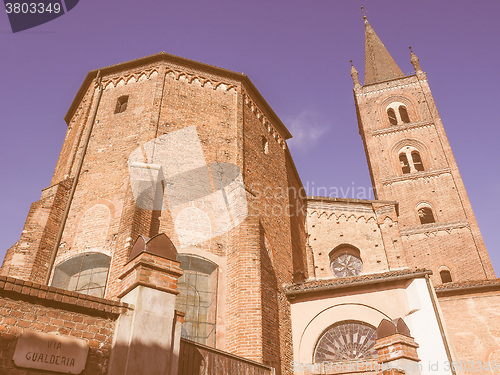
(121, 104)
(405, 166)
(392, 116)
(198, 298)
(346, 341)
(345, 260)
(85, 273)
(445, 276)
(410, 160)
(417, 161)
(403, 113)
(425, 215)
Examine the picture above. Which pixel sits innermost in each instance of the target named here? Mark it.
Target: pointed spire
(379, 64)
(415, 62)
(355, 76)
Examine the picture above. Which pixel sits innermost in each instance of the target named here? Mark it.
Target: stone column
(147, 339)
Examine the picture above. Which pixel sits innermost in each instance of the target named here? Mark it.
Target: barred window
(198, 298)
(346, 341)
(85, 273)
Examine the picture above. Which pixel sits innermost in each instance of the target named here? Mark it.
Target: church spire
(379, 64)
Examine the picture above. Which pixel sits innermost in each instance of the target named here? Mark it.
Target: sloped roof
(379, 64)
(336, 283)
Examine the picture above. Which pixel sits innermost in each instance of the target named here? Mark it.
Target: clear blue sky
(297, 54)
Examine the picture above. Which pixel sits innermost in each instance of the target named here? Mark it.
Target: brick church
(176, 238)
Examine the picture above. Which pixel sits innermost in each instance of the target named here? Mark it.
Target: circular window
(345, 341)
(346, 261)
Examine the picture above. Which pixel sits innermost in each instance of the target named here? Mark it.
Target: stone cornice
(402, 128)
(434, 227)
(416, 175)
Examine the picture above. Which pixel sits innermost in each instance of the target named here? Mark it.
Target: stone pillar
(398, 352)
(147, 339)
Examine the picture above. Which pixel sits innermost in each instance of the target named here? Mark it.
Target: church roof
(469, 286)
(379, 64)
(337, 283)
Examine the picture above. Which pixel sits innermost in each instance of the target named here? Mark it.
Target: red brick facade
(32, 306)
(454, 240)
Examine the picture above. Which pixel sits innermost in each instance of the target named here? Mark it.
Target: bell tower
(411, 161)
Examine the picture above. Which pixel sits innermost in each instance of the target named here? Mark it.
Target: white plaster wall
(311, 317)
(424, 327)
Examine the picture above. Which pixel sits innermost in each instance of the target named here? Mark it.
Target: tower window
(85, 273)
(405, 166)
(345, 261)
(403, 113)
(417, 161)
(410, 160)
(425, 215)
(198, 298)
(121, 104)
(392, 116)
(397, 113)
(445, 276)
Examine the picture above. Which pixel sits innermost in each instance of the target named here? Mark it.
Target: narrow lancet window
(405, 166)
(392, 116)
(417, 161)
(403, 113)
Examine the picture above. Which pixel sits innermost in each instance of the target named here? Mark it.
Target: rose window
(346, 341)
(346, 264)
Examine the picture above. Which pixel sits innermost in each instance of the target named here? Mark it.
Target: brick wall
(232, 121)
(471, 312)
(31, 306)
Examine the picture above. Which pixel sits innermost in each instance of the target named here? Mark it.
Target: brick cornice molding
(468, 287)
(434, 228)
(264, 120)
(417, 175)
(402, 128)
(44, 294)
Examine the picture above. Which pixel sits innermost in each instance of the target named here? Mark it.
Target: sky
(296, 53)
